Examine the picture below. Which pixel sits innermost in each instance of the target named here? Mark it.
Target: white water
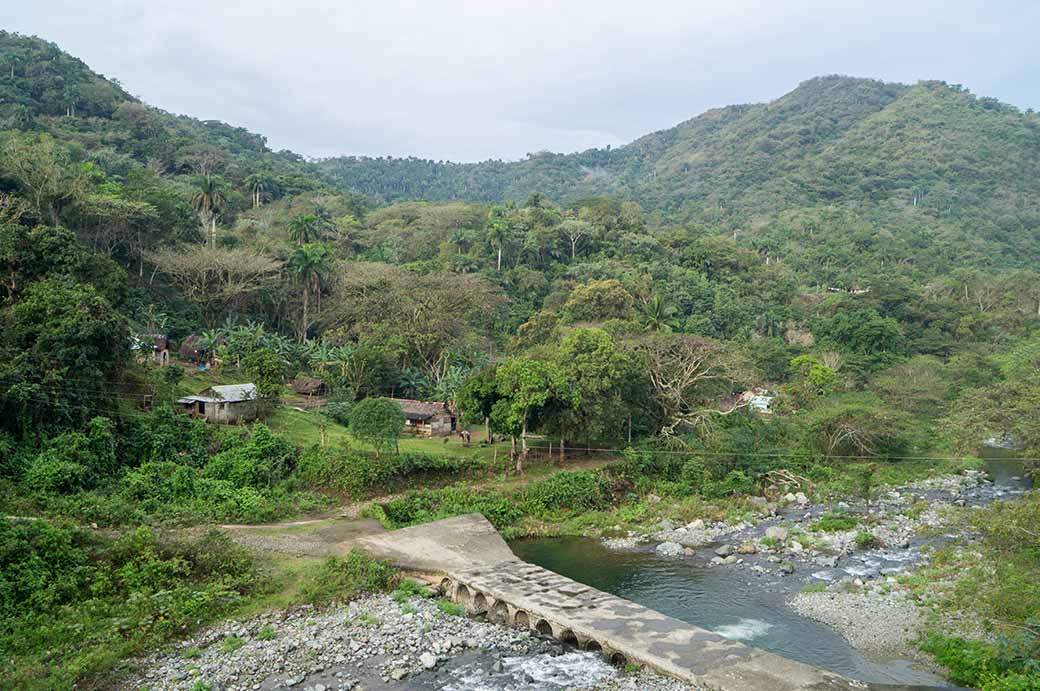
(534, 673)
(744, 630)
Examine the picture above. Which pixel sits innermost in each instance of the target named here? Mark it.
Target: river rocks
(747, 548)
(776, 532)
(724, 550)
(877, 624)
(669, 549)
(428, 660)
(786, 568)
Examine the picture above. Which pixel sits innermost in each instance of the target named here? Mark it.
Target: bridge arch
(499, 612)
(480, 603)
(543, 627)
(521, 620)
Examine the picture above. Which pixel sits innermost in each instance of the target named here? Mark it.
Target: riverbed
(748, 601)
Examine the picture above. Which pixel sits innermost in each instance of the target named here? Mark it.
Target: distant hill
(953, 177)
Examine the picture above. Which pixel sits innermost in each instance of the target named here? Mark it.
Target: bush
(344, 579)
(74, 460)
(835, 522)
(567, 493)
(431, 505)
(257, 459)
(983, 665)
(74, 603)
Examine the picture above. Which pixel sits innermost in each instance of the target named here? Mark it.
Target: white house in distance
(228, 403)
(759, 399)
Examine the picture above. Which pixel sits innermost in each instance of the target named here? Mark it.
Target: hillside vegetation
(864, 252)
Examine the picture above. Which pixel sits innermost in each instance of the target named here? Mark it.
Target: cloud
(476, 80)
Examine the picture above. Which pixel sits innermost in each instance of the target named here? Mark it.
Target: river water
(739, 605)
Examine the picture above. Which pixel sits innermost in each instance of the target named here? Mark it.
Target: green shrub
(452, 609)
(74, 461)
(567, 493)
(257, 459)
(345, 578)
(424, 506)
(99, 600)
(835, 522)
(868, 540)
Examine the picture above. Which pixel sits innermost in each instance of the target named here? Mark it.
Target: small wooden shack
(152, 346)
(229, 403)
(427, 418)
(309, 386)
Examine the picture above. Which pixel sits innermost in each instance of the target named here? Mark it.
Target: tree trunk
(523, 441)
(499, 269)
(561, 449)
(303, 320)
(487, 430)
(574, 247)
(213, 231)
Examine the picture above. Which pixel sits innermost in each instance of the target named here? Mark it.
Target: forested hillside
(930, 159)
(866, 254)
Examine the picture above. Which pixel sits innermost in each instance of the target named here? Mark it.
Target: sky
(468, 81)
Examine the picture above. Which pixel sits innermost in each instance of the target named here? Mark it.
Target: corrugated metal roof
(226, 393)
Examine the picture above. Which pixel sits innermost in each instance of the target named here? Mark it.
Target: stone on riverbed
(669, 549)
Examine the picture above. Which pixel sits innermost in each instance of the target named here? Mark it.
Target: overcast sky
(485, 79)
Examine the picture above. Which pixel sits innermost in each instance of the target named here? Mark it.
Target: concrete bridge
(474, 566)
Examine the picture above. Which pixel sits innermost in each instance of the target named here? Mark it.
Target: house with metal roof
(227, 403)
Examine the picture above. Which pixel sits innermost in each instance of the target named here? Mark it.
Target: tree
(657, 315)
(575, 230)
(261, 187)
(689, 376)
(529, 387)
(63, 348)
(207, 202)
(307, 228)
(499, 231)
(311, 265)
(216, 278)
(612, 388)
(425, 313)
(378, 422)
(600, 301)
(476, 400)
(267, 372)
(44, 174)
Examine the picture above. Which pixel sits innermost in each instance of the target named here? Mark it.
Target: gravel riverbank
(880, 625)
(375, 644)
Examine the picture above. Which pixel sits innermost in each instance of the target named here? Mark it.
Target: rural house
(152, 346)
(426, 418)
(229, 403)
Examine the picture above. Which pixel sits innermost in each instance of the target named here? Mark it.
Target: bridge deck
(477, 569)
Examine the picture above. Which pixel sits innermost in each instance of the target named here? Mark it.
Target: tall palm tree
(311, 264)
(304, 228)
(207, 202)
(262, 186)
(498, 231)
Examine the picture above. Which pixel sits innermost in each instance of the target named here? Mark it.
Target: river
(740, 605)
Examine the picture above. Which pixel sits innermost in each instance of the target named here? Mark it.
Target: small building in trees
(309, 386)
(228, 404)
(152, 346)
(427, 418)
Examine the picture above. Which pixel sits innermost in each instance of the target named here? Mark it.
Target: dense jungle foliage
(864, 253)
